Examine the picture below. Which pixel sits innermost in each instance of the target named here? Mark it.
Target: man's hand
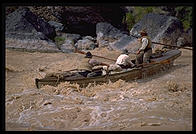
(138, 52)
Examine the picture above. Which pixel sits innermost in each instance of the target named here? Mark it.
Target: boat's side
(132, 74)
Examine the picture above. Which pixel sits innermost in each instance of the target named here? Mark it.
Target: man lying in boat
(87, 67)
(87, 64)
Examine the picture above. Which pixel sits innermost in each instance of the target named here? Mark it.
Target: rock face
(24, 21)
(83, 19)
(107, 34)
(87, 28)
(112, 38)
(160, 28)
(24, 30)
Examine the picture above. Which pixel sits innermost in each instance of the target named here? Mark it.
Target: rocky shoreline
(27, 31)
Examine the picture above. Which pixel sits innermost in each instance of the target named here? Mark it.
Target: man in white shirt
(123, 62)
(144, 53)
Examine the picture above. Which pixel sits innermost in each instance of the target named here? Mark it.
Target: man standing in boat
(144, 53)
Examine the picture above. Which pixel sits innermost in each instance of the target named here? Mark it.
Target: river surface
(162, 102)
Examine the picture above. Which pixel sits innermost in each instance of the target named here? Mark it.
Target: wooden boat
(156, 65)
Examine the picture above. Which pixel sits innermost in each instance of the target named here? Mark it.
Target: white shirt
(124, 59)
(144, 43)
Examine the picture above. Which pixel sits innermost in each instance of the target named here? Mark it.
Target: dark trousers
(143, 57)
(84, 73)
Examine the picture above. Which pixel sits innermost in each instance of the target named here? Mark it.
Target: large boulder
(81, 19)
(160, 28)
(107, 34)
(24, 21)
(113, 38)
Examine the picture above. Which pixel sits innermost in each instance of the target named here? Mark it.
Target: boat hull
(157, 65)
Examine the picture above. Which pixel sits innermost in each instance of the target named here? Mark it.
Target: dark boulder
(23, 20)
(160, 28)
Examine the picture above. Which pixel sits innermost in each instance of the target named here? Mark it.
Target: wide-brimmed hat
(125, 51)
(88, 55)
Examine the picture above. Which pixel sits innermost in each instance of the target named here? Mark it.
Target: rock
(107, 34)
(185, 39)
(114, 39)
(23, 20)
(90, 38)
(67, 46)
(65, 41)
(124, 42)
(188, 37)
(160, 28)
(49, 13)
(83, 20)
(58, 26)
(74, 37)
(181, 42)
(85, 44)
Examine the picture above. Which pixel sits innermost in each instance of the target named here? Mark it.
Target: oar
(165, 44)
(82, 52)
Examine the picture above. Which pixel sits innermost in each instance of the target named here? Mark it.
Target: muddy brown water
(159, 103)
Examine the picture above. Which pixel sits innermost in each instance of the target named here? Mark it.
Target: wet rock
(160, 28)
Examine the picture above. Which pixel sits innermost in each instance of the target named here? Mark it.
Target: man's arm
(128, 60)
(144, 44)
